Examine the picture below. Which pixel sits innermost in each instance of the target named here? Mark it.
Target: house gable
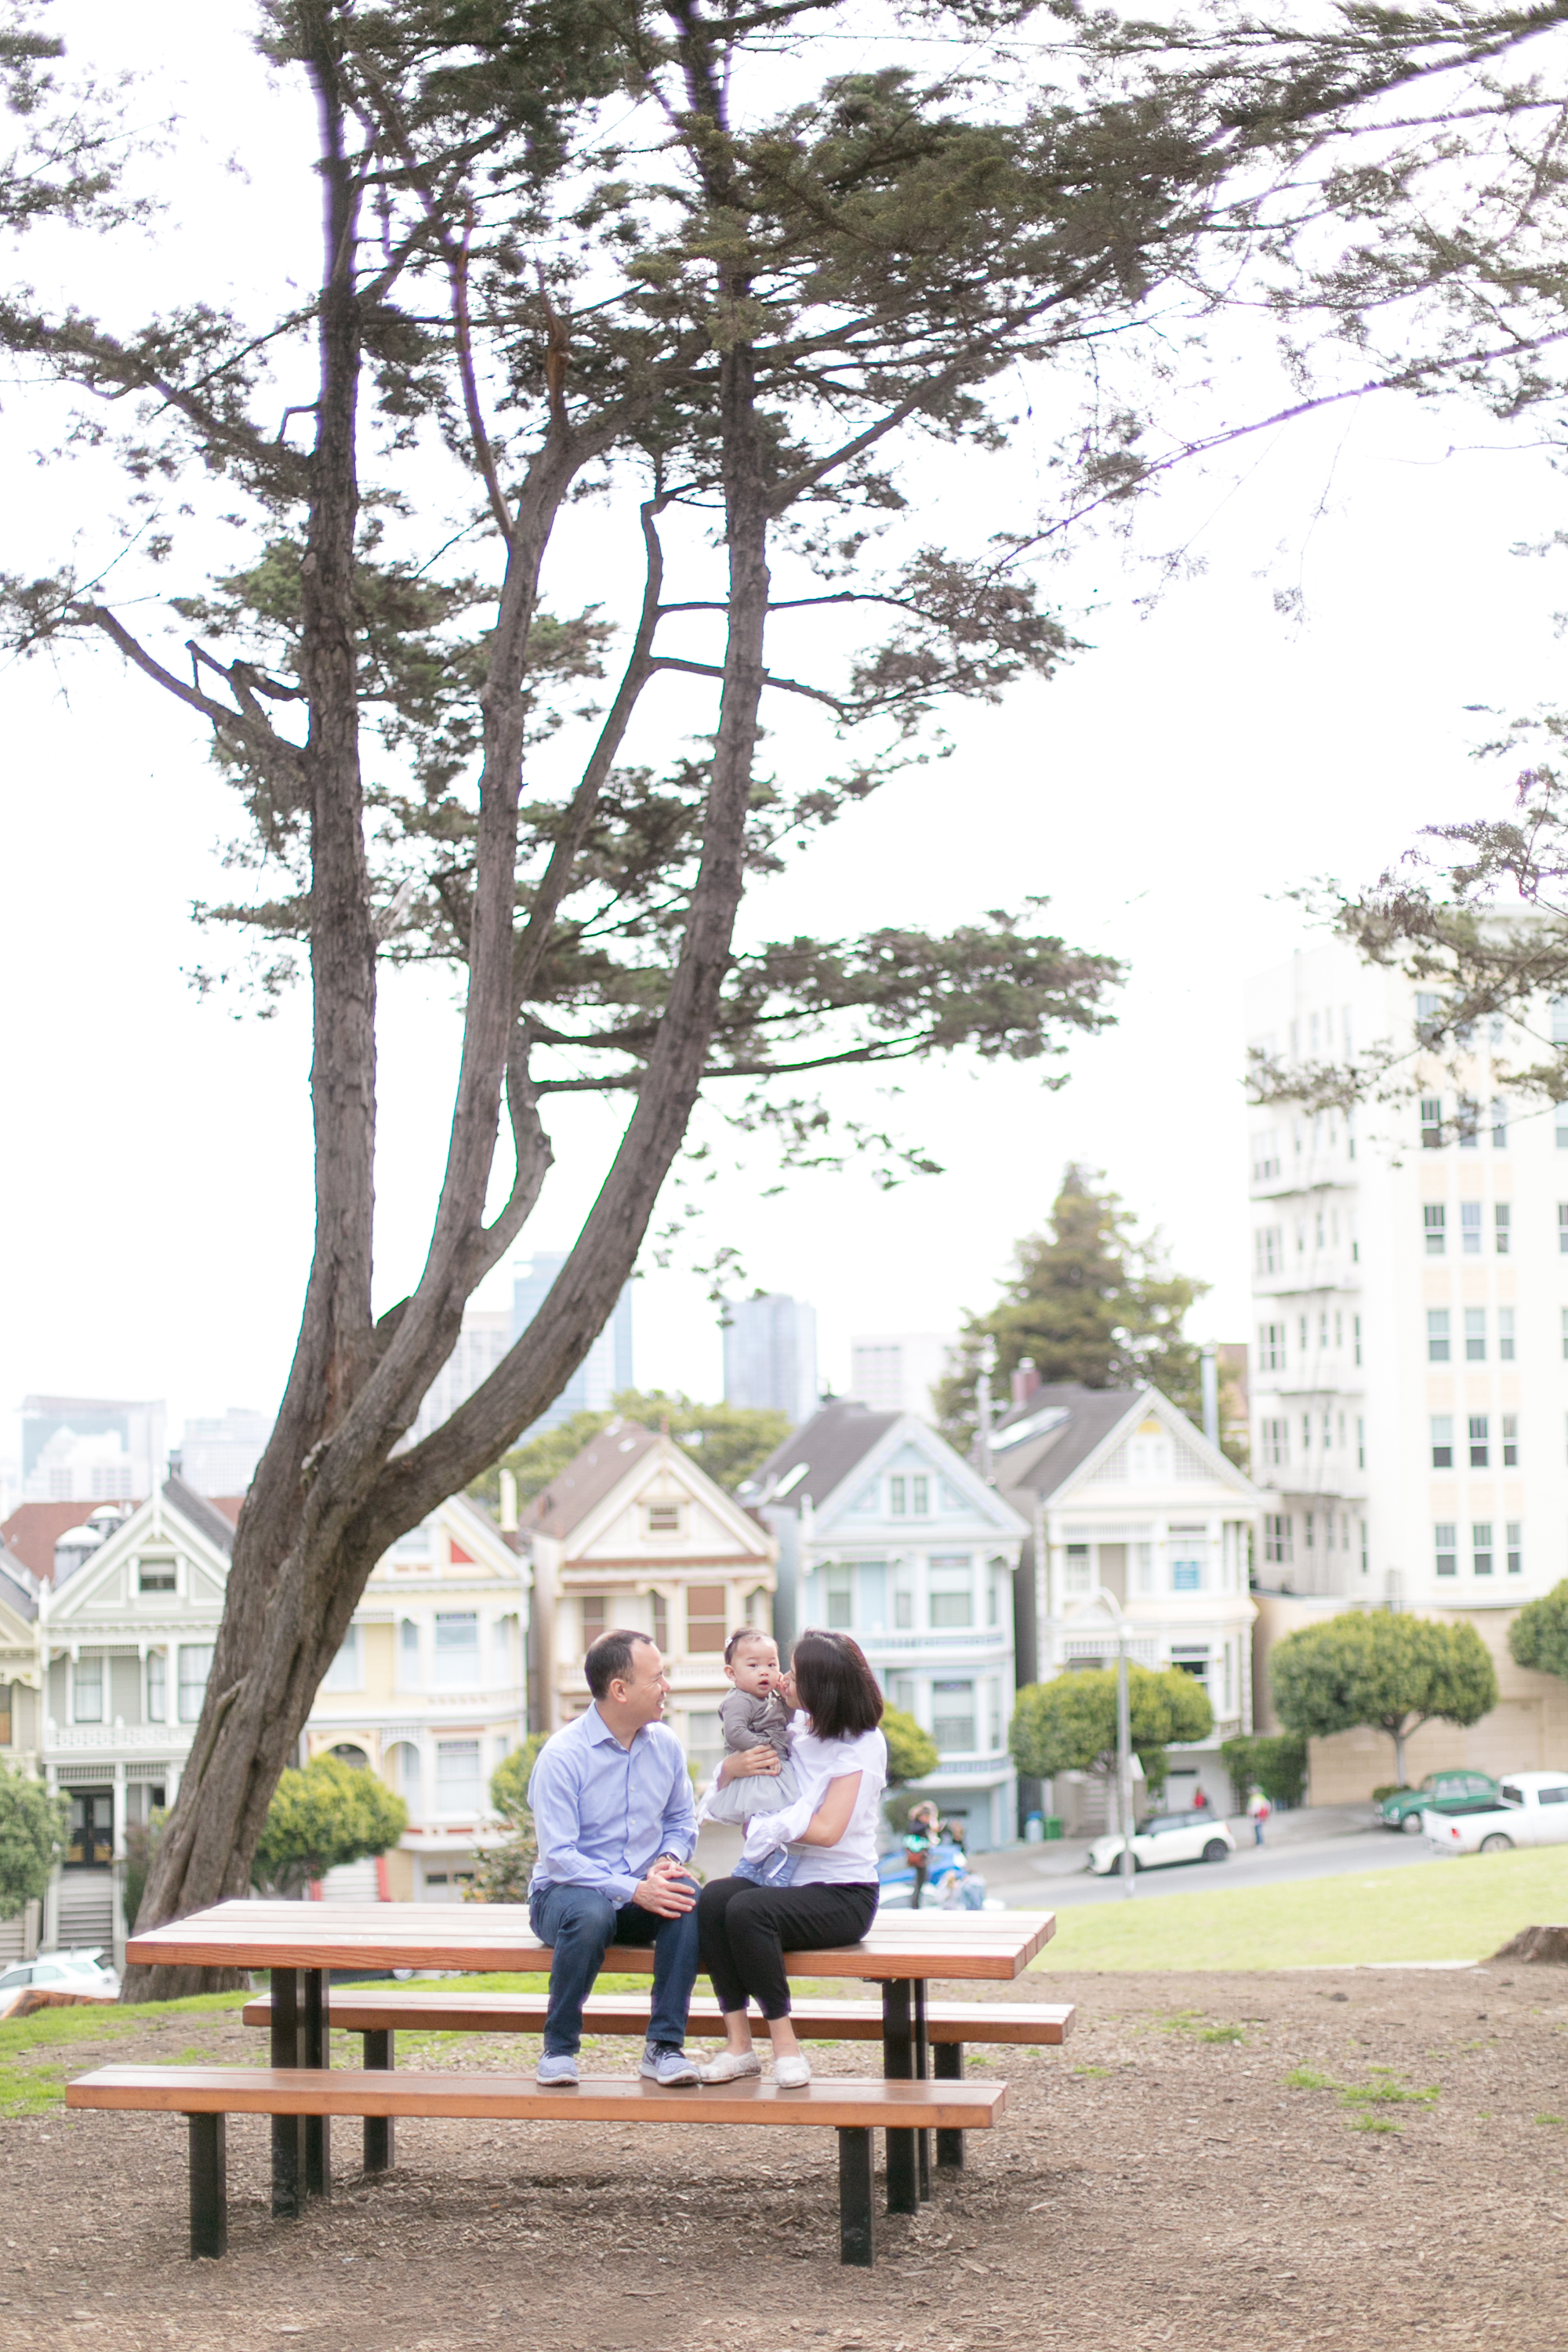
(660, 1482)
(1154, 1445)
(910, 1448)
(108, 1585)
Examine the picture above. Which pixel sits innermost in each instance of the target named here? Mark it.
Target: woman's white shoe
(730, 2066)
(791, 2073)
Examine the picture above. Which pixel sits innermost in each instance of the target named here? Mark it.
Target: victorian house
(634, 1534)
(886, 1533)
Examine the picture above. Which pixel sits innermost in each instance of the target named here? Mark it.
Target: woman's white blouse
(853, 1861)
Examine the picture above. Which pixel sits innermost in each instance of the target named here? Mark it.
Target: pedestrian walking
(1259, 1808)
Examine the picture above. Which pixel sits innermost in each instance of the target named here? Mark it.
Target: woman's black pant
(744, 1930)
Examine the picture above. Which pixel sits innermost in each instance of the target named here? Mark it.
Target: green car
(1441, 1791)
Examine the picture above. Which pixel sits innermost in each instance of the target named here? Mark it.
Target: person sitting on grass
(615, 1821)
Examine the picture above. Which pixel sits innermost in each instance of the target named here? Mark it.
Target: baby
(755, 1714)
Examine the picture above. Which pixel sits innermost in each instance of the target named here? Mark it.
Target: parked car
(1531, 1809)
(86, 1971)
(1439, 1792)
(1166, 1838)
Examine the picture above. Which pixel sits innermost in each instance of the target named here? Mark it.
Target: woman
(745, 1930)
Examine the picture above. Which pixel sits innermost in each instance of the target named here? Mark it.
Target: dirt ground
(1159, 2182)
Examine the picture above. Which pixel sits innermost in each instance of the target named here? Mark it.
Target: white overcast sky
(1181, 774)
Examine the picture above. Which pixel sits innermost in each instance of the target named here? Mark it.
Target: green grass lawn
(1447, 1910)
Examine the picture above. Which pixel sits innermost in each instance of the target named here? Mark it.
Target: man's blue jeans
(581, 1924)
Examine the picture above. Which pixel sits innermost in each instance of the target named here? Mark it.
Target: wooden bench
(379, 2012)
(206, 2095)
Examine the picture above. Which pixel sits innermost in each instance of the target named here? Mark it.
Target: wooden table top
(482, 1936)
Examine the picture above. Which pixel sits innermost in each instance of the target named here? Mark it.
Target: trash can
(1053, 1825)
(1034, 1829)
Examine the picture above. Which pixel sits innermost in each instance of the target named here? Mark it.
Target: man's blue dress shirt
(603, 1812)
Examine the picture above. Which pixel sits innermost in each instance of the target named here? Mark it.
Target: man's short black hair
(609, 1659)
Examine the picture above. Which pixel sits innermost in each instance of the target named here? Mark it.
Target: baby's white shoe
(730, 2066)
(791, 2073)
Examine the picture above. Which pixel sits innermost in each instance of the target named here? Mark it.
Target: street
(1316, 1841)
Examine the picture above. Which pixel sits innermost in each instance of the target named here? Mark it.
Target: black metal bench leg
(318, 2051)
(856, 2220)
(898, 2066)
(380, 2054)
(950, 2069)
(209, 2187)
(288, 2133)
(922, 2070)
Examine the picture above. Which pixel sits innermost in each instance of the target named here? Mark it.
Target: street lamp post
(1124, 1762)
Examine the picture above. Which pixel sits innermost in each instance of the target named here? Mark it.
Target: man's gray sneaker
(669, 2067)
(557, 2070)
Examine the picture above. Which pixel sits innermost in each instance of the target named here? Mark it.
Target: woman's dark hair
(834, 1684)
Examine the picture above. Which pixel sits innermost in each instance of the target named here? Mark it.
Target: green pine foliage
(328, 1814)
(1090, 1301)
(1393, 1672)
(1068, 1724)
(32, 1839)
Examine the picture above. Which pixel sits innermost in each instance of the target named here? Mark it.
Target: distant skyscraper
(219, 1457)
(896, 1372)
(482, 1342)
(91, 1449)
(770, 1354)
(608, 1366)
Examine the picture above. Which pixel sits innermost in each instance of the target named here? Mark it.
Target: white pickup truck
(1533, 1811)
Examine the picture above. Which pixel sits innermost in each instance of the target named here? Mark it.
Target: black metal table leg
(898, 2066)
(857, 2221)
(922, 2070)
(288, 2136)
(950, 2069)
(380, 2053)
(318, 2051)
(209, 2187)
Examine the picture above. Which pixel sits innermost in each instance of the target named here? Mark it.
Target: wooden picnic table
(302, 1943)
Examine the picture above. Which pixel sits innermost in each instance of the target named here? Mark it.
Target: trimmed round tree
(328, 1814)
(1068, 1724)
(32, 1837)
(501, 1873)
(1393, 1674)
(1539, 1635)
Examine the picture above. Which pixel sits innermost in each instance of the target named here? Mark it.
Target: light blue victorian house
(886, 1533)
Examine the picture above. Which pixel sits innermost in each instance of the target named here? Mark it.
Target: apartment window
(952, 1593)
(1505, 1335)
(1470, 1228)
(459, 1785)
(1323, 1328)
(1469, 1119)
(1442, 1441)
(919, 1498)
(1276, 1444)
(1277, 1535)
(1559, 1019)
(1302, 1326)
(86, 1690)
(952, 1717)
(1481, 1449)
(157, 1685)
(1475, 1335)
(1437, 1334)
(1339, 1330)
(1305, 1432)
(345, 1672)
(1360, 1443)
(1365, 1554)
(1265, 1251)
(1358, 1339)
(458, 1646)
(705, 1617)
(1515, 1549)
(1328, 1432)
(1433, 1218)
(1431, 1122)
(408, 1663)
(838, 1598)
(1428, 1007)
(1502, 1222)
(196, 1665)
(898, 1498)
(1187, 1576)
(1272, 1346)
(155, 1575)
(1561, 1110)
(1077, 1571)
(1500, 1125)
(1481, 1547)
(903, 1612)
(1511, 1441)
(1265, 1157)
(664, 1518)
(1445, 1546)
(1310, 1530)
(660, 1607)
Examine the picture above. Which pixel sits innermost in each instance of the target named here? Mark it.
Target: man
(614, 1814)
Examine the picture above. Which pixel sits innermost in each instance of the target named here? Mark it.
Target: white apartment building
(895, 1371)
(1410, 1290)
